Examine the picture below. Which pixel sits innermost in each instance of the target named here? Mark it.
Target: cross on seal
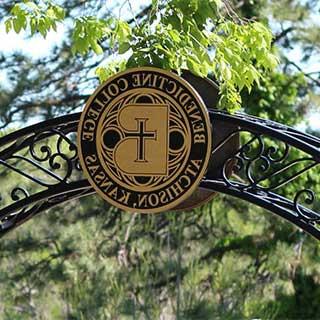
(141, 135)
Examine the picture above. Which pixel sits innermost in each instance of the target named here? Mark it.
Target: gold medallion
(144, 140)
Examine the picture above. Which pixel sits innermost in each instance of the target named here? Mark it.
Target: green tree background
(225, 260)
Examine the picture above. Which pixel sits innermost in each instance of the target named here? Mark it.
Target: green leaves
(243, 54)
(122, 31)
(193, 35)
(88, 32)
(104, 72)
(186, 35)
(18, 21)
(39, 19)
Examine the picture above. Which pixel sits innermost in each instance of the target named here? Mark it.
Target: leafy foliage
(41, 19)
(177, 35)
(277, 96)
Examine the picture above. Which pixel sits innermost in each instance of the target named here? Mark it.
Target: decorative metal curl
(44, 149)
(44, 157)
(15, 193)
(309, 198)
(274, 150)
(262, 166)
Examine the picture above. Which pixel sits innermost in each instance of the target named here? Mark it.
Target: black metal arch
(267, 167)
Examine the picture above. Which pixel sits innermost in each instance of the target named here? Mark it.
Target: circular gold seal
(144, 140)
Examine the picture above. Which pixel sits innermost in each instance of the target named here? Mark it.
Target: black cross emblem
(141, 134)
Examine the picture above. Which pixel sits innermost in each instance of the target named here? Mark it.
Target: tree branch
(308, 75)
(283, 34)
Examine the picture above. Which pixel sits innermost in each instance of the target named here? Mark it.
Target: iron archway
(270, 156)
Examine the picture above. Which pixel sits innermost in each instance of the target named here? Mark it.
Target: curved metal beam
(271, 202)
(271, 156)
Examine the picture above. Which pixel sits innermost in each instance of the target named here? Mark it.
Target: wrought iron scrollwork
(42, 169)
(264, 165)
(268, 166)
